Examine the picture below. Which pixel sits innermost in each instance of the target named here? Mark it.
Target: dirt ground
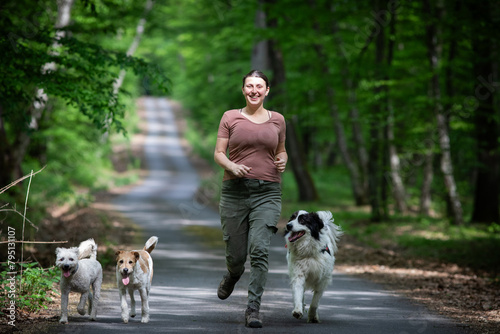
(450, 290)
(471, 299)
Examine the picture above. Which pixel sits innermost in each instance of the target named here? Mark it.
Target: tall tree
(341, 139)
(139, 31)
(306, 188)
(434, 47)
(374, 166)
(486, 120)
(76, 71)
(398, 188)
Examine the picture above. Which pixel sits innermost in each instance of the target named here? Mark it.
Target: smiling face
(125, 263)
(255, 91)
(67, 260)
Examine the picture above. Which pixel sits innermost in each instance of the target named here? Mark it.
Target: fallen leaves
(471, 298)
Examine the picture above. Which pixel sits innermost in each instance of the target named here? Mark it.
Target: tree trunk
(374, 170)
(350, 85)
(434, 53)
(306, 188)
(357, 134)
(135, 44)
(305, 184)
(131, 50)
(486, 194)
(425, 193)
(260, 52)
(356, 179)
(398, 187)
(16, 152)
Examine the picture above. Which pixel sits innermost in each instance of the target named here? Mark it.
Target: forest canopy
(402, 94)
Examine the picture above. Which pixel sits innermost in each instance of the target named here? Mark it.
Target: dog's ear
(326, 216)
(118, 253)
(295, 214)
(315, 224)
(137, 255)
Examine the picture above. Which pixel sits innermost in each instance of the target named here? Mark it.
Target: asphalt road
(186, 273)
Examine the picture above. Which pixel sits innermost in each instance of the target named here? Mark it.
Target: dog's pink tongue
(67, 273)
(125, 280)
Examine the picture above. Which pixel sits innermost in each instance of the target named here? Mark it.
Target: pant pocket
(273, 227)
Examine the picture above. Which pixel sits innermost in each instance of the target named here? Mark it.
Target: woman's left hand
(280, 164)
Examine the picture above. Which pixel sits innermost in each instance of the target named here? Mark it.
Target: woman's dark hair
(258, 74)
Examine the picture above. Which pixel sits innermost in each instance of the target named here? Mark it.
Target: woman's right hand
(240, 170)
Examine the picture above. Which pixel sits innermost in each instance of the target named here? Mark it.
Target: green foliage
(71, 135)
(430, 238)
(206, 47)
(84, 78)
(32, 289)
(333, 183)
(202, 145)
(434, 239)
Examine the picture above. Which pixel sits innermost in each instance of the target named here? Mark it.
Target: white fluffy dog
(80, 269)
(311, 239)
(134, 271)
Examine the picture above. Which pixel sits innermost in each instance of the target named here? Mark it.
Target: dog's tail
(151, 244)
(334, 231)
(87, 249)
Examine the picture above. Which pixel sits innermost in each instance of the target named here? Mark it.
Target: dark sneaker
(252, 318)
(226, 286)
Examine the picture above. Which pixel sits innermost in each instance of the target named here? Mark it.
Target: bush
(32, 290)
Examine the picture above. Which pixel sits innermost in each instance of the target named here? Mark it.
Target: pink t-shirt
(253, 145)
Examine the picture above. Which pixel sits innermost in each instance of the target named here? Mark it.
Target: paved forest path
(186, 273)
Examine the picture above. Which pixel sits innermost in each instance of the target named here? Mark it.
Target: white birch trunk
(40, 100)
(447, 168)
(442, 126)
(139, 31)
(425, 195)
(397, 182)
(63, 18)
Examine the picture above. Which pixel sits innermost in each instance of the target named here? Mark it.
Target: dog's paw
(312, 315)
(81, 311)
(63, 321)
(313, 320)
(297, 314)
(125, 320)
(145, 320)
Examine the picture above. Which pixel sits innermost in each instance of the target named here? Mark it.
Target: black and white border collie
(311, 239)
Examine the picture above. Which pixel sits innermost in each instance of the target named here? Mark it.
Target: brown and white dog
(134, 271)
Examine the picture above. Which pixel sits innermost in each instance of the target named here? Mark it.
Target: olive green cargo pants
(249, 210)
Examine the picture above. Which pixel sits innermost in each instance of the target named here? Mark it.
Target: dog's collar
(326, 249)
